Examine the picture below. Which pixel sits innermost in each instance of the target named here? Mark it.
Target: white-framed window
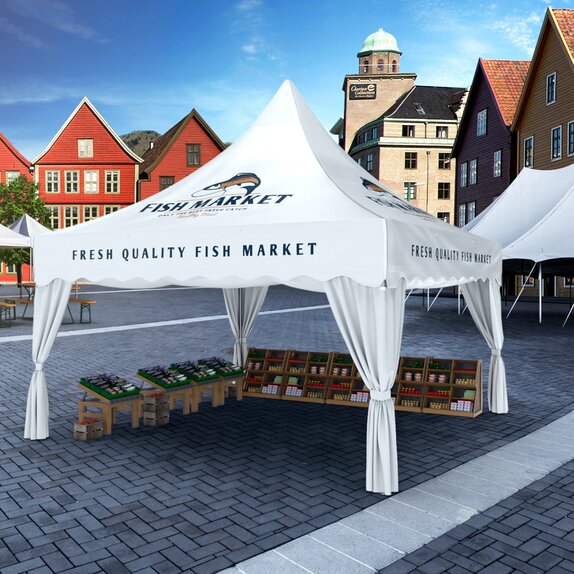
(410, 190)
(54, 216)
(481, 123)
(110, 209)
(443, 216)
(92, 181)
(473, 171)
(52, 183)
(556, 143)
(193, 154)
(370, 162)
(71, 215)
(442, 132)
(112, 181)
(375, 133)
(470, 211)
(72, 179)
(497, 164)
(551, 88)
(85, 148)
(166, 181)
(12, 176)
(462, 215)
(529, 152)
(570, 138)
(90, 212)
(463, 174)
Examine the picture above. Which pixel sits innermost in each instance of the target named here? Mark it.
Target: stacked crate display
(264, 373)
(155, 408)
(88, 429)
(409, 386)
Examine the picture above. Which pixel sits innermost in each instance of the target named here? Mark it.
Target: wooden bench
(22, 300)
(85, 305)
(7, 310)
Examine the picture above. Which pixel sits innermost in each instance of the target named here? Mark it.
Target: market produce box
(88, 429)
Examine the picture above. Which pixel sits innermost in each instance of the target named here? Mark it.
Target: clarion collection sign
(363, 92)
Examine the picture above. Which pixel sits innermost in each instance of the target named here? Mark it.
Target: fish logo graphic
(244, 183)
(372, 186)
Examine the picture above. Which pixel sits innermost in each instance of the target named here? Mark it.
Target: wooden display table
(190, 394)
(109, 408)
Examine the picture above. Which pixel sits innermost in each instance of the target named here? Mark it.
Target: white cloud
(249, 48)
(21, 35)
(56, 14)
(246, 5)
(522, 32)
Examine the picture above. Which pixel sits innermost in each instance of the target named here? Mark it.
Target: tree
(20, 196)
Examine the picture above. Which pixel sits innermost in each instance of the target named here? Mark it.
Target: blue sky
(145, 64)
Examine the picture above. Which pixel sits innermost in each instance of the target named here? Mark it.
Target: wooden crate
(156, 419)
(88, 429)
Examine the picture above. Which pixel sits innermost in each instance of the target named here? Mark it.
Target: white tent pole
(408, 295)
(435, 298)
(568, 316)
(521, 290)
(540, 292)
(428, 299)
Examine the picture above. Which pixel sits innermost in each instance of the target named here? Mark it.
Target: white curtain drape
(371, 322)
(243, 306)
(483, 300)
(49, 306)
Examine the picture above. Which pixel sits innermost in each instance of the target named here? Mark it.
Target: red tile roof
(506, 79)
(565, 21)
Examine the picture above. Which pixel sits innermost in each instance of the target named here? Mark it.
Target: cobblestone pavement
(217, 487)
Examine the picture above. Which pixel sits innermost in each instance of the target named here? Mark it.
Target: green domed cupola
(380, 54)
(379, 41)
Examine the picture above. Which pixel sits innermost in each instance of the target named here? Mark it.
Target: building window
(462, 215)
(408, 131)
(11, 268)
(556, 143)
(380, 65)
(90, 212)
(85, 148)
(497, 165)
(193, 154)
(360, 161)
(570, 138)
(112, 181)
(443, 160)
(365, 66)
(165, 181)
(410, 189)
(12, 176)
(411, 160)
(375, 133)
(54, 216)
(529, 152)
(470, 211)
(395, 66)
(443, 190)
(472, 176)
(370, 163)
(444, 216)
(110, 209)
(551, 88)
(72, 179)
(442, 132)
(71, 215)
(481, 123)
(91, 181)
(463, 174)
(52, 182)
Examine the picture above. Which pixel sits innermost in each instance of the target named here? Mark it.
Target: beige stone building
(400, 132)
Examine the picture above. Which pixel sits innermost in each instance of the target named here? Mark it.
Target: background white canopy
(283, 204)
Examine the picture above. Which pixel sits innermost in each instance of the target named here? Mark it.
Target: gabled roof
(162, 145)
(86, 102)
(561, 22)
(504, 79)
(7, 143)
(427, 102)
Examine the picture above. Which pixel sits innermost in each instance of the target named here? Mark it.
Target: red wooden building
(12, 162)
(87, 170)
(12, 165)
(183, 149)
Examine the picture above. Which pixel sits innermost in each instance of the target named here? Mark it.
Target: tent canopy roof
(283, 204)
(9, 238)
